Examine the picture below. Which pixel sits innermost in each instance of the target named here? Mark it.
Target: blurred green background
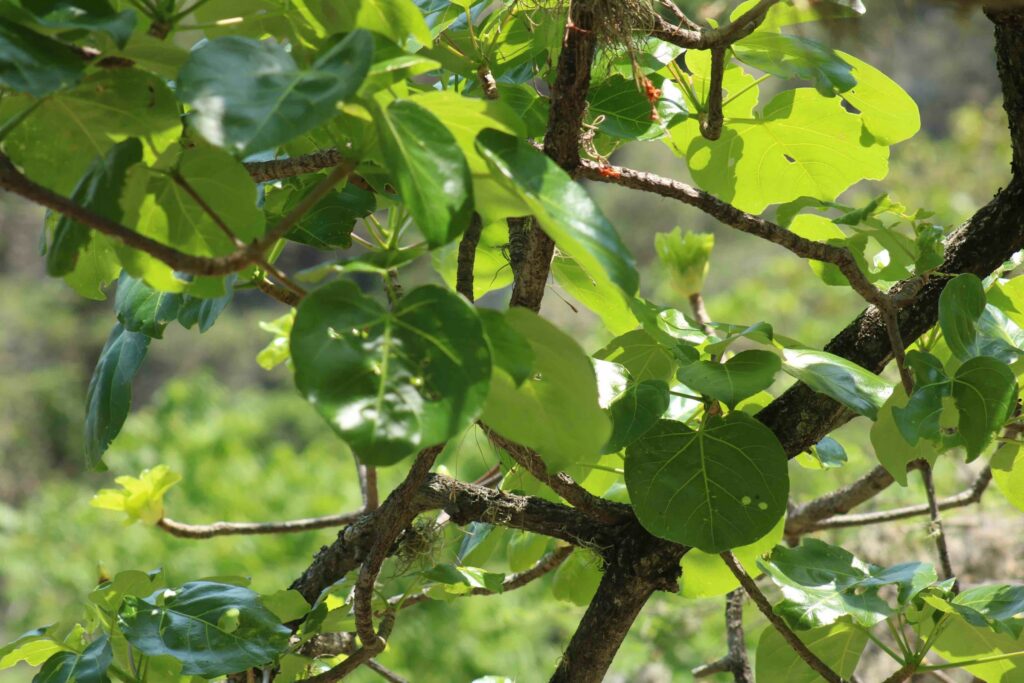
(250, 449)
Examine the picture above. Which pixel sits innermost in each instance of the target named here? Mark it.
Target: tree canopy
(184, 149)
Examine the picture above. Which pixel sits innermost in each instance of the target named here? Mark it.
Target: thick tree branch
(705, 39)
(777, 622)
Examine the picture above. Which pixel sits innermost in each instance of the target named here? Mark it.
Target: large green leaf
(721, 487)
(110, 390)
(839, 646)
(859, 390)
(250, 95)
(35, 64)
(743, 375)
(89, 666)
(635, 411)
(510, 350)
(100, 191)
(985, 392)
(564, 209)
(961, 641)
(802, 144)
(822, 584)
(960, 305)
(429, 168)
(889, 114)
(211, 628)
(555, 411)
(396, 19)
(601, 297)
(789, 57)
(391, 382)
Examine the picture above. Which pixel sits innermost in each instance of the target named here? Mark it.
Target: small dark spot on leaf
(789, 159)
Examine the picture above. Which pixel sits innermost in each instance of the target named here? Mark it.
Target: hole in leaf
(789, 159)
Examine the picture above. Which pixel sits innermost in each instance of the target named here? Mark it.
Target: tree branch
(736, 660)
(706, 39)
(964, 498)
(545, 565)
(803, 518)
(199, 531)
(467, 257)
(777, 622)
(935, 528)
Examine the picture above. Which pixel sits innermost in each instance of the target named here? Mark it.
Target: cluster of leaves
(433, 106)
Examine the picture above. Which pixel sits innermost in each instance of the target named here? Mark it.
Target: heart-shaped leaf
(391, 382)
(721, 487)
(743, 375)
(985, 392)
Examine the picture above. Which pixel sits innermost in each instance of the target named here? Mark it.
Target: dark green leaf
(510, 350)
(564, 209)
(850, 384)
(627, 111)
(995, 606)
(960, 305)
(140, 308)
(743, 375)
(788, 56)
(89, 15)
(985, 392)
(110, 390)
(35, 64)
(391, 382)
(718, 488)
(89, 666)
(634, 413)
(99, 190)
(429, 169)
(920, 418)
(891, 448)
(211, 628)
(328, 225)
(250, 95)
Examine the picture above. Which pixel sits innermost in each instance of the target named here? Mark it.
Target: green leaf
(920, 418)
(641, 354)
(889, 114)
(788, 57)
(635, 412)
(250, 95)
(1008, 474)
(718, 488)
(627, 111)
(525, 549)
(996, 606)
(429, 168)
(555, 411)
(211, 628)
(985, 392)
(743, 375)
(510, 350)
(565, 211)
(686, 257)
(706, 576)
(891, 448)
(328, 225)
(396, 19)
(839, 646)
(35, 64)
(99, 190)
(577, 578)
(131, 582)
(140, 498)
(821, 229)
(110, 390)
(822, 584)
(801, 145)
(33, 647)
(960, 641)
(89, 666)
(391, 382)
(859, 390)
(459, 580)
(88, 15)
(960, 305)
(601, 297)
(140, 308)
(825, 455)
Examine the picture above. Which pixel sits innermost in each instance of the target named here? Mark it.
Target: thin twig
(936, 524)
(776, 621)
(545, 565)
(962, 499)
(384, 672)
(802, 518)
(736, 661)
(467, 257)
(183, 530)
(274, 291)
(560, 482)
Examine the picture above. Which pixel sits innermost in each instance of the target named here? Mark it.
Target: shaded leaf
(110, 390)
(35, 64)
(743, 375)
(635, 412)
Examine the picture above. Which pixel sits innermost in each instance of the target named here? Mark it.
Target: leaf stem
(743, 91)
(885, 648)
